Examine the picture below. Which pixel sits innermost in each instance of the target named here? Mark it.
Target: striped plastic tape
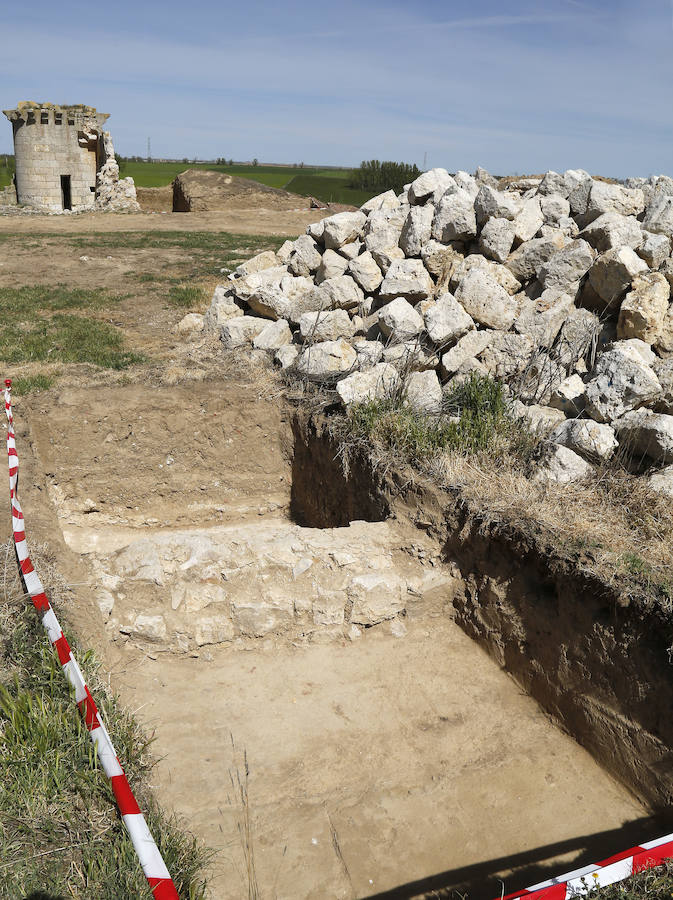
(616, 868)
(145, 846)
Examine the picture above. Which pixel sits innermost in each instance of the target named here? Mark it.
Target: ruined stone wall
(8, 196)
(51, 142)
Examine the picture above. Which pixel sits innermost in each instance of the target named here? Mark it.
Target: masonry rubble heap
(559, 286)
(114, 194)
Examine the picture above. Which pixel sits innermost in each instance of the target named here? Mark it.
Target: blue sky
(517, 87)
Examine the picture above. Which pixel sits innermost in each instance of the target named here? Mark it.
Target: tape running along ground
(616, 868)
(145, 846)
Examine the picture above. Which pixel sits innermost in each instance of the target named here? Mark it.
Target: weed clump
(186, 296)
(652, 884)
(475, 418)
(32, 384)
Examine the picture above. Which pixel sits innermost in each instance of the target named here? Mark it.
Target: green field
(327, 188)
(6, 170)
(328, 185)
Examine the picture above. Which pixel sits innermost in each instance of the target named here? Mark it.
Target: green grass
(656, 581)
(474, 419)
(31, 384)
(327, 189)
(153, 174)
(205, 253)
(331, 173)
(271, 176)
(652, 884)
(26, 301)
(42, 332)
(68, 339)
(186, 296)
(199, 241)
(329, 185)
(158, 174)
(59, 828)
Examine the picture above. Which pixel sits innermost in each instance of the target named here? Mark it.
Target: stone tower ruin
(65, 161)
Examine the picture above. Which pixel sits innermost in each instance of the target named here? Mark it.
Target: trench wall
(596, 661)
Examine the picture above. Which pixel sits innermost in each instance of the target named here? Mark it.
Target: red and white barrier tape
(615, 868)
(150, 858)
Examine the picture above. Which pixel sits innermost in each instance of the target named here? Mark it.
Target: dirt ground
(390, 762)
(196, 189)
(240, 221)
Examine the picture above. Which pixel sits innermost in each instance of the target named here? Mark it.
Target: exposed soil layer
(251, 220)
(197, 189)
(155, 199)
(323, 496)
(594, 658)
(387, 764)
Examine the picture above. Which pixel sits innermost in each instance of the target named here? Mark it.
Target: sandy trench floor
(375, 763)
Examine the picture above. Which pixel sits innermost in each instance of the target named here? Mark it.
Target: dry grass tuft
(610, 524)
(622, 530)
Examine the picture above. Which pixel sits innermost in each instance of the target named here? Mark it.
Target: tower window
(71, 121)
(44, 117)
(58, 118)
(31, 118)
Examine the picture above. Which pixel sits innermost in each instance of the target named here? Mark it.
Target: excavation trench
(324, 625)
(599, 662)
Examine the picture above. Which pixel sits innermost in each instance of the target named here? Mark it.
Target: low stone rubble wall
(8, 196)
(559, 286)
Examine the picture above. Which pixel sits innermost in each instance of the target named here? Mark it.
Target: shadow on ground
(477, 882)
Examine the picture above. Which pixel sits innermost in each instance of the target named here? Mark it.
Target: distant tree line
(376, 176)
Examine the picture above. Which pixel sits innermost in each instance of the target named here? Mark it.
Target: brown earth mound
(155, 199)
(196, 189)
